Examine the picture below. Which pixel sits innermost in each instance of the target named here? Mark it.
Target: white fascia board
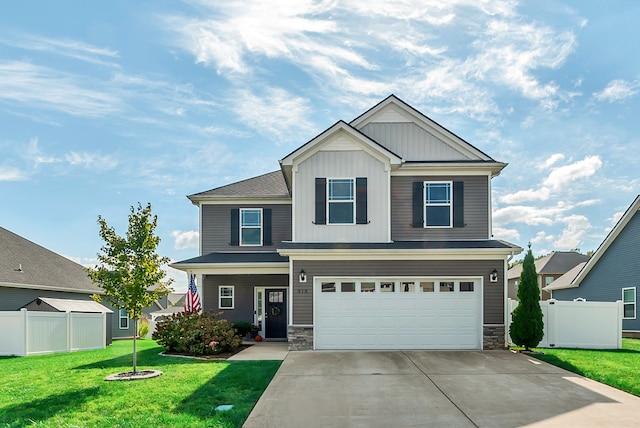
(235, 200)
(316, 144)
(424, 122)
(492, 169)
(49, 288)
(382, 254)
(234, 268)
(559, 287)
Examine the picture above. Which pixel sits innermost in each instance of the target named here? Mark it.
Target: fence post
(68, 313)
(25, 332)
(620, 315)
(104, 330)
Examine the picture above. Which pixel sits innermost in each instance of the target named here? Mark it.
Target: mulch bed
(220, 357)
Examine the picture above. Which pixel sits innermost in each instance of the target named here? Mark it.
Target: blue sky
(107, 104)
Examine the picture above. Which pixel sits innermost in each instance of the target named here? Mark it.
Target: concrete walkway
(435, 389)
(263, 351)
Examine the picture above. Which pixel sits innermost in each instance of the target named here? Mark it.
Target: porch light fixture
(493, 276)
(303, 276)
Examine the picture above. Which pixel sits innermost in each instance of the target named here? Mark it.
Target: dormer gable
(341, 137)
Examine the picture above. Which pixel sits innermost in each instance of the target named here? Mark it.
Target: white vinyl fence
(29, 333)
(579, 324)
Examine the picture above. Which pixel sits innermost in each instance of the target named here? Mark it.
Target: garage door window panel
(368, 287)
(328, 287)
(446, 286)
(408, 287)
(427, 287)
(466, 286)
(348, 287)
(387, 287)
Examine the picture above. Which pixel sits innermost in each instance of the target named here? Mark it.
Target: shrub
(143, 328)
(243, 327)
(196, 334)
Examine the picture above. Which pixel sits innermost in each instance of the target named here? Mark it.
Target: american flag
(192, 300)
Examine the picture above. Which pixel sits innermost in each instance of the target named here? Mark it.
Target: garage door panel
(398, 319)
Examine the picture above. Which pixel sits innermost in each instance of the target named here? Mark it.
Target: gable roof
(558, 262)
(270, 186)
(24, 264)
(393, 107)
(611, 237)
(566, 280)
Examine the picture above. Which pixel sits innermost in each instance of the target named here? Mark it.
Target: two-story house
(375, 234)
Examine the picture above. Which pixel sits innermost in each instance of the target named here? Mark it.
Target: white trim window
(629, 303)
(123, 319)
(341, 201)
(226, 297)
(251, 226)
(438, 204)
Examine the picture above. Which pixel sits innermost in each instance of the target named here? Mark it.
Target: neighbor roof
(558, 262)
(270, 185)
(566, 280)
(24, 264)
(70, 305)
(611, 237)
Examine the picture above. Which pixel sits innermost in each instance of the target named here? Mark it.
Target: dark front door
(276, 314)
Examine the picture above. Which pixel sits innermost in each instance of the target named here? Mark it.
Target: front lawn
(68, 390)
(619, 368)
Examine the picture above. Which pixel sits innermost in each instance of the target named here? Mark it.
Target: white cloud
(9, 173)
(571, 237)
(185, 240)
(42, 87)
(617, 90)
(532, 216)
(92, 161)
(541, 194)
(506, 234)
(276, 113)
(542, 238)
(554, 158)
(562, 176)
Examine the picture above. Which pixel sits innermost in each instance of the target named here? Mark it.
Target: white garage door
(408, 313)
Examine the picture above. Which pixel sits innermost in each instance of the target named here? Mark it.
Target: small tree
(527, 326)
(130, 271)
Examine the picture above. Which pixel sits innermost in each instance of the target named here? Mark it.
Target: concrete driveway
(435, 389)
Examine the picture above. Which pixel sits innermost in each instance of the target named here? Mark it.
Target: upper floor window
(251, 226)
(629, 303)
(340, 201)
(438, 204)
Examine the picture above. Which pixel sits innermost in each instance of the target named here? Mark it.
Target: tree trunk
(135, 333)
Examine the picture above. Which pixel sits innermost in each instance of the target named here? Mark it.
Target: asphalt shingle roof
(271, 184)
(40, 266)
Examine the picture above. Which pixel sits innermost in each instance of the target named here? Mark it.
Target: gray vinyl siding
(216, 227)
(243, 293)
(342, 164)
(617, 268)
(411, 142)
(476, 210)
(493, 304)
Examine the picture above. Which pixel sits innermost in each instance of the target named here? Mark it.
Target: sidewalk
(263, 351)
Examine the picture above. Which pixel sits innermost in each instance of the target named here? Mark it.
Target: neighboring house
(612, 273)
(29, 271)
(548, 268)
(375, 234)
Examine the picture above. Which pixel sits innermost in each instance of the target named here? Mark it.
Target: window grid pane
(438, 205)
(250, 227)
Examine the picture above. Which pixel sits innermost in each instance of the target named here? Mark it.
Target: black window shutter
(321, 201)
(266, 227)
(418, 204)
(458, 204)
(361, 200)
(235, 227)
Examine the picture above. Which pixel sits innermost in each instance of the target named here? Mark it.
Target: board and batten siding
(476, 210)
(493, 293)
(341, 164)
(216, 227)
(243, 293)
(411, 142)
(616, 269)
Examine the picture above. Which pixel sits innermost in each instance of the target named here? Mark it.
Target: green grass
(68, 390)
(619, 368)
